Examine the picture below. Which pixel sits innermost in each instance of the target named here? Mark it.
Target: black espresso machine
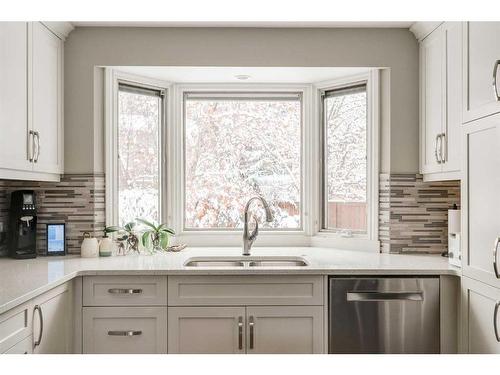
(22, 224)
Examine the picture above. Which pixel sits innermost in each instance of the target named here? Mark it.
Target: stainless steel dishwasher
(384, 315)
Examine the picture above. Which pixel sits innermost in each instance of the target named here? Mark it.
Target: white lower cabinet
(251, 329)
(203, 330)
(284, 329)
(52, 322)
(23, 347)
(124, 330)
(481, 305)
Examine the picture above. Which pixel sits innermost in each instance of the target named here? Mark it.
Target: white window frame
(294, 237)
(172, 163)
(112, 80)
(324, 237)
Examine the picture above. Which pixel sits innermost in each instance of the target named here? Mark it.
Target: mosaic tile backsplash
(77, 200)
(413, 214)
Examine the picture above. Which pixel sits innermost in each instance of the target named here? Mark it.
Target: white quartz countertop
(21, 280)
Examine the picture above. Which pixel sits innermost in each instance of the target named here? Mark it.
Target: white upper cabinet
(31, 73)
(432, 59)
(14, 151)
(441, 102)
(481, 227)
(481, 71)
(46, 84)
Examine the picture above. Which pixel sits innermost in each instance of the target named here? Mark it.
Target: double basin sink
(246, 261)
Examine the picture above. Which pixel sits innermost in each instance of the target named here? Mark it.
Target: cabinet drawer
(124, 291)
(245, 290)
(15, 325)
(23, 347)
(124, 330)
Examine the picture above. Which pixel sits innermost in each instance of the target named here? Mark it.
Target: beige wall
(87, 48)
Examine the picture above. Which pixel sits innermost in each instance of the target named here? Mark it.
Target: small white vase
(90, 246)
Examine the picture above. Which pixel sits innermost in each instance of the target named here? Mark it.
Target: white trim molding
(172, 169)
(422, 29)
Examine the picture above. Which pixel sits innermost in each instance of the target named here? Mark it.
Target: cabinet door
(482, 51)
(481, 206)
(285, 329)
(14, 142)
(482, 303)
(46, 83)
(432, 100)
(202, 330)
(23, 347)
(124, 330)
(52, 322)
(452, 145)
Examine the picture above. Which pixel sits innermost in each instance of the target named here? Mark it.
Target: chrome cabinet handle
(37, 136)
(124, 333)
(124, 291)
(385, 296)
(40, 334)
(442, 145)
(240, 333)
(436, 148)
(495, 87)
(251, 324)
(495, 325)
(436, 152)
(31, 150)
(495, 253)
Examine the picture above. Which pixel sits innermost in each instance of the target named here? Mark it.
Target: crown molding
(422, 29)
(61, 29)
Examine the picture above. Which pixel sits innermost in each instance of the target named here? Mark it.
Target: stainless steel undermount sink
(246, 261)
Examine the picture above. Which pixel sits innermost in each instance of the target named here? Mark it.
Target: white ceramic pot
(106, 247)
(90, 246)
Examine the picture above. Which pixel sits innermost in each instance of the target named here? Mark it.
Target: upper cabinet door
(46, 62)
(14, 140)
(432, 56)
(482, 53)
(452, 150)
(481, 227)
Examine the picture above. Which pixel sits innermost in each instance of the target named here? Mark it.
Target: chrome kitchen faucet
(249, 238)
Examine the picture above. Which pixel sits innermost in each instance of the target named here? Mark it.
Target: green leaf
(147, 223)
(169, 231)
(146, 237)
(112, 228)
(164, 239)
(129, 226)
(123, 238)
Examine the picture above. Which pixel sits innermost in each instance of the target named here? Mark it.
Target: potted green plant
(156, 237)
(126, 235)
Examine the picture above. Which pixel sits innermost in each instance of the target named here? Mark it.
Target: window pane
(239, 148)
(346, 164)
(139, 117)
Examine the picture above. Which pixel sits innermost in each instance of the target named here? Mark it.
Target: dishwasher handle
(384, 296)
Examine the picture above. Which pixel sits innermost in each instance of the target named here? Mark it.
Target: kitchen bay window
(191, 155)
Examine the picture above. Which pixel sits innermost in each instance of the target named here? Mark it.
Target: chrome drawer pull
(495, 254)
(251, 324)
(385, 296)
(124, 291)
(124, 333)
(495, 87)
(495, 326)
(240, 333)
(40, 334)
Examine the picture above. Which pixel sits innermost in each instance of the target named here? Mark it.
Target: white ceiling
(202, 74)
(344, 24)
